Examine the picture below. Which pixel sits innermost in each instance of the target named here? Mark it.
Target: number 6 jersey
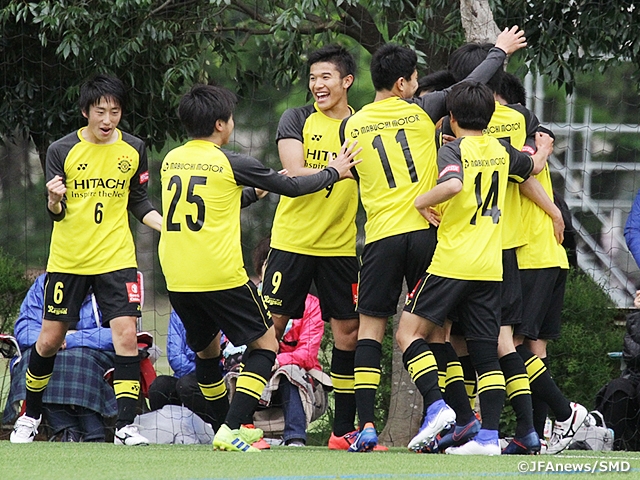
(92, 234)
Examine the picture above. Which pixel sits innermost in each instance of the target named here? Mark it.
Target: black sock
(367, 378)
(213, 388)
(342, 377)
(420, 362)
(249, 386)
(470, 379)
(491, 387)
(543, 387)
(518, 391)
(38, 375)
(126, 384)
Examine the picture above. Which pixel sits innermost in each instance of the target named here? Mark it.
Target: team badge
(124, 164)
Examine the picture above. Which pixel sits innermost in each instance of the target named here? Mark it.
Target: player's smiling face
(102, 120)
(328, 87)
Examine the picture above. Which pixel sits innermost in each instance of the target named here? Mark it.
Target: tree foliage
(158, 47)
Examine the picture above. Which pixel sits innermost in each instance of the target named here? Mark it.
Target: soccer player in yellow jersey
(397, 135)
(314, 236)
(94, 175)
(466, 269)
(201, 255)
(535, 238)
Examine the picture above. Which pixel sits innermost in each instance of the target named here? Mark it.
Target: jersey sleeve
(139, 204)
(249, 196)
(520, 163)
(434, 103)
(251, 173)
(532, 125)
(54, 165)
(449, 162)
(291, 123)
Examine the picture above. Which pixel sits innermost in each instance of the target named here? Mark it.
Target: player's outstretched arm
(153, 219)
(511, 40)
(344, 161)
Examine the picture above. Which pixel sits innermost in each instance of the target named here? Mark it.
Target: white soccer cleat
(476, 447)
(25, 429)
(441, 418)
(129, 435)
(563, 432)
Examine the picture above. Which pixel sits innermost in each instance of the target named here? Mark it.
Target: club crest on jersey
(355, 133)
(124, 164)
(133, 291)
(449, 169)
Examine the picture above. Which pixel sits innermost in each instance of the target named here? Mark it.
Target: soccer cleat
(476, 447)
(564, 431)
(231, 441)
(346, 440)
(129, 435)
(254, 436)
(366, 440)
(25, 429)
(440, 416)
(458, 435)
(527, 445)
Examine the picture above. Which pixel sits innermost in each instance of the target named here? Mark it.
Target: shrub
(579, 361)
(13, 287)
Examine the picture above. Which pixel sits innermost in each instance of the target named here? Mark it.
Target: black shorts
(239, 312)
(511, 289)
(386, 263)
(476, 303)
(287, 280)
(118, 294)
(542, 300)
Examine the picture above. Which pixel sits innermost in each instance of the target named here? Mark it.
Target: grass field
(68, 461)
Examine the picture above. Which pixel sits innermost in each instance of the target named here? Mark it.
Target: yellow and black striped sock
(470, 379)
(126, 384)
(38, 375)
(367, 378)
(455, 392)
(491, 385)
(249, 386)
(518, 391)
(213, 388)
(343, 379)
(421, 364)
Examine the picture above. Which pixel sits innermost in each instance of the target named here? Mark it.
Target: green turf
(43, 460)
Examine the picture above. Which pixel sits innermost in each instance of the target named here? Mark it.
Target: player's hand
(344, 161)
(558, 229)
(430, 215)
(447, 138)
(544, 142)
(56, 189)
(636, 301)
(511, 40)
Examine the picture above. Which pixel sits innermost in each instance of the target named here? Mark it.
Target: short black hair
(102, 86)
(466, 58)
(390, 62)
(471, 104)
(512, 90)
(338, 56)
(434, 82)
(203, 106)
(260, 254)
